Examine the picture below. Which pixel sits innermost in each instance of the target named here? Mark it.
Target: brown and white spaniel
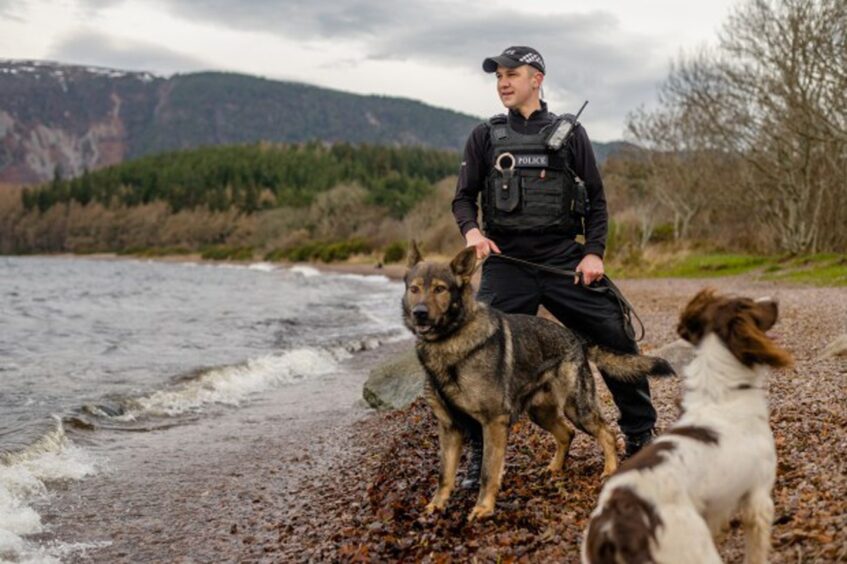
(667, 503)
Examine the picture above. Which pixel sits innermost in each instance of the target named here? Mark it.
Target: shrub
(395, 252)
(225, 252)
(322, 251)
(662, 233)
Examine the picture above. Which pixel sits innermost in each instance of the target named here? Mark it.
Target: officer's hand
(484, 246)
(591, 267)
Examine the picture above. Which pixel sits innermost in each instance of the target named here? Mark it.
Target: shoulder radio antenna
(563, 130)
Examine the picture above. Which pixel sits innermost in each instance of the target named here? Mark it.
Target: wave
(368, 277)
(262, 267)
(24, 476)
(231, 385)
(305, 271)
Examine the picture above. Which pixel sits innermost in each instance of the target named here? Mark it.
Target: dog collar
(747, 387)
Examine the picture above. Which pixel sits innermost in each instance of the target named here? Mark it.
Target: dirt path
(370, 504)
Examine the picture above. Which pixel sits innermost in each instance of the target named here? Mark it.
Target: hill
(73, 118)
(81, 118)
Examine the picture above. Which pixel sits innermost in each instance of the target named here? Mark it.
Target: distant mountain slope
(603, 151)
(76, 118)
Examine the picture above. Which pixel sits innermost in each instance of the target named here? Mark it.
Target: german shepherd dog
(485, 368)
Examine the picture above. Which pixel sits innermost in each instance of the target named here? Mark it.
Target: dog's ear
(464, 263)
(692, 322)
(414, 256)
(765, 312)
(741, 328)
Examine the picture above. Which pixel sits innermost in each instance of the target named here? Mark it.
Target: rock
(679, 353)
(395, 383)
(838, 347)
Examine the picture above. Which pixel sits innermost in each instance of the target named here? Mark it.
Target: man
(533, 209)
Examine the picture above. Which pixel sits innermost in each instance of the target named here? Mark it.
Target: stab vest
(530, 189)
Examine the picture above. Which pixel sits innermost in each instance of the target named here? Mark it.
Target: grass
(825, 272)
(711, 265)
(823, 269)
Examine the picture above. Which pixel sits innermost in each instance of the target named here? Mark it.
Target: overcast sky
(613, 53)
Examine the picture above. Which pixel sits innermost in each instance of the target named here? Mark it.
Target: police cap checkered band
(514, 57)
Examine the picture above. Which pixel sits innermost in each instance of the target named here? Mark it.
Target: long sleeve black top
(479, 160)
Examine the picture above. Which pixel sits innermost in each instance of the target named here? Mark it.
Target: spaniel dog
(666, 503)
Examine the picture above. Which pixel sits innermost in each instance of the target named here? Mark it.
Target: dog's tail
(622, 532)
(628, 367)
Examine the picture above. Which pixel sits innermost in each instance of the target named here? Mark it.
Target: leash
(626, 308)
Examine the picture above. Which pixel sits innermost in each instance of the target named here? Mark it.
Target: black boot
(637, 441)
(471, 480)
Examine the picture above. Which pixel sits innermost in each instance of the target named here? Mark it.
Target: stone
(395, 383)
(838, 347)
(678, 353)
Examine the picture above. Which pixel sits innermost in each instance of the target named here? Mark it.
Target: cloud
(588, 55)
(305, 19)
(91, 47)
(10, 10)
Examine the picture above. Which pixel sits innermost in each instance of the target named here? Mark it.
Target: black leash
(610, 288)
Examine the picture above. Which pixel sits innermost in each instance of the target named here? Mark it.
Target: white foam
(306, 271)
(57, 551)
(231, 385)
(11, 546)
(262, 267)
(100, 412)
(54, 552)
(369, 277)
(23, 478)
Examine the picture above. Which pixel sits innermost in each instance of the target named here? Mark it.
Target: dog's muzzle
(420, 313)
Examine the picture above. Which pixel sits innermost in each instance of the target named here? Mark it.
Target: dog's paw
(554, 468)
(608, 471)
(434, 506)
(480, 512)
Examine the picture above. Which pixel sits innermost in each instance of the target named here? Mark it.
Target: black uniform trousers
(515, 288)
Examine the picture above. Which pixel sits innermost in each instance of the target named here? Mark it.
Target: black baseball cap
(514, 57)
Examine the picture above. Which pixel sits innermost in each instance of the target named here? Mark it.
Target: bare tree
(678, 176)
(774, 95)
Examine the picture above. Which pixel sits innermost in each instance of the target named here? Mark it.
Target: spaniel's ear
(746, 339)
(414, 254)
(693, 323)
(765, 312)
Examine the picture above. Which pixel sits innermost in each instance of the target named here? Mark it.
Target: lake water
(126, 345)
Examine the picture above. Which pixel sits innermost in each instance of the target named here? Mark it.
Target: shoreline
(824, 271)
(298, 483)
(392, 271)
(216, 488)
(374, 510)
(158, 476)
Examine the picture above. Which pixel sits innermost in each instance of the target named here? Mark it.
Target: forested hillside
(252, 177)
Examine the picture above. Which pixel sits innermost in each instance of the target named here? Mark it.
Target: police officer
(533, 208)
